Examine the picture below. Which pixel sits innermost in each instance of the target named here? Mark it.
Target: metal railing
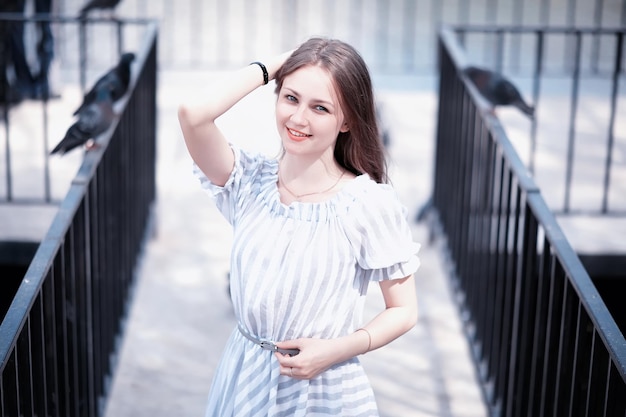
(96, 45)
(59, 337)
(575, 75)
(543, 340)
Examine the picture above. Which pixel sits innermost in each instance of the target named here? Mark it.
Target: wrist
(369, 339)
(274, 63)
(266, 77)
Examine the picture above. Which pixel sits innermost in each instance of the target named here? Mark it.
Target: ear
(344, 127)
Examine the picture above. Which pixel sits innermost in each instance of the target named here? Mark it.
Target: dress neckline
(305, 210)
(335, 196)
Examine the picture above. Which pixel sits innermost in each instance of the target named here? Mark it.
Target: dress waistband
(266, 344)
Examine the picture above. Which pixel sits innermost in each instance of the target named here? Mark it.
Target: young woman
(312, 229)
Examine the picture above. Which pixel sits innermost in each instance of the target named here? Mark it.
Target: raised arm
(206, 144)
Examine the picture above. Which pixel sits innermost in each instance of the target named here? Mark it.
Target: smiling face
(308, 114)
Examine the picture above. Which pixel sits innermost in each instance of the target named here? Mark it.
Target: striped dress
(302, 270)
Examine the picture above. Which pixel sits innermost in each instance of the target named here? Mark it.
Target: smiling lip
(297, 135)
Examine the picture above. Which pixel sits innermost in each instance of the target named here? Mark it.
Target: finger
(288, 371)
(291, 344)
(284, 360)
(290, 348)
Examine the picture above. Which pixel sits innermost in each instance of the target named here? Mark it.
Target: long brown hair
(360, 149)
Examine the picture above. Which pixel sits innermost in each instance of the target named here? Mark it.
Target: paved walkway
(181, 315)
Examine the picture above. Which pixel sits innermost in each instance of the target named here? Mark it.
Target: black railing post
(537, 358)
(543, 340)
(59, 336)
(556, 279)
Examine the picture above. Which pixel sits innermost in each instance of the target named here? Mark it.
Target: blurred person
(313, 228)
(26, 83)
(45, 52)
(9, 32)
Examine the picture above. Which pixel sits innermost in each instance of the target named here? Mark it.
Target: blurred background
(151, 342)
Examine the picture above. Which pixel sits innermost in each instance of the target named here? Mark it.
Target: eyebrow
(315, 100)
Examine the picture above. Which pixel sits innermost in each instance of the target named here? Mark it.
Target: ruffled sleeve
(379, 233)
(244, 181)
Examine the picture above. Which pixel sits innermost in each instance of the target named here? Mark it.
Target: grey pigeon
(498, 90)
(93, 120)
(98, 4)
(116, 80)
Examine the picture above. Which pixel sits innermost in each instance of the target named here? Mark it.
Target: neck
(309, 169)
(301, 181)
(298, 197)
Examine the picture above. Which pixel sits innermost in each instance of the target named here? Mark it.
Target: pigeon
(498, 90)
(116, 80)
(98, 4)
(93, 120)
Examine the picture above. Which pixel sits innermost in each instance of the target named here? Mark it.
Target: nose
(299, 115)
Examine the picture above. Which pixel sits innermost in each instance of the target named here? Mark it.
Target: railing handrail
(582, 283)
(14, 191)
(30, 286)
(92, 159)
(17, 313)
(553, 29)
(56, 18)
(580, 279)
(59, 337)
(493, 123)
(544, 341)
(592, 61)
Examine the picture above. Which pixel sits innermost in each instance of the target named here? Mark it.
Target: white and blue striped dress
(302, 270)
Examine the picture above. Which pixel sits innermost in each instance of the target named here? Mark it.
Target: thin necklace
(299, 196)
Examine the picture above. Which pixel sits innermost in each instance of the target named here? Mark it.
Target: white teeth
(293, 132)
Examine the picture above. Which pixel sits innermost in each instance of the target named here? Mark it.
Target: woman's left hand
(316, 356)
